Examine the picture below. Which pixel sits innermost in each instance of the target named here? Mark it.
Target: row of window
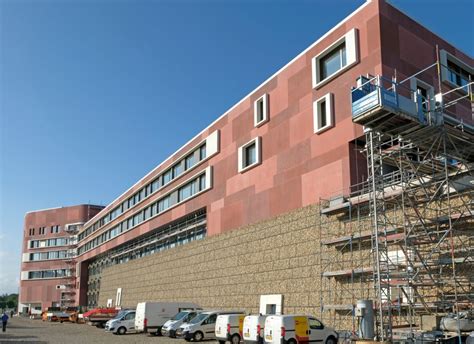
(188, 190)
(42, 230)
(47, 255)
(455, 71)
(44, 274)
(190, 160)
(49, 242)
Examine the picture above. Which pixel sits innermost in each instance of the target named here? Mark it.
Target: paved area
(24, 330)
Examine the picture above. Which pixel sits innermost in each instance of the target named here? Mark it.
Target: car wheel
(121, 330)
(198, 336)
(331, 340)
(235, 339)
(291, 341)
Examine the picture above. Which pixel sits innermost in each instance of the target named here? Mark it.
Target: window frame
(264, 100)
(351, 41)
(241, 155)
(444, 58)
(329, 112)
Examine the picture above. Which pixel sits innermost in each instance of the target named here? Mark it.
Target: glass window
(177, 170)
(202, 182)
(164, 204)
(333, 61)
(202, 152)
(155, 185)
(186, 191)
(167, 177)
(250, 154)
(189, 161)
(48, 274)
(315, 324)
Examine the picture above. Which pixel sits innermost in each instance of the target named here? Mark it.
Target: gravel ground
(25, 330)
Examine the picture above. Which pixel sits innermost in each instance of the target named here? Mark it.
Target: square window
(260, 110)
(189, 161)
(167, 177)
(335, 59)
(322, 113)
(249, 155)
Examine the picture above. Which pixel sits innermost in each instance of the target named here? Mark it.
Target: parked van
(122, 323)
(253, 330)
(170, 327)
(229, 327)
(296, 329)
(151, 316)
(202, 326)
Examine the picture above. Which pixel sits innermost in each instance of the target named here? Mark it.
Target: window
(426, 91)
(260, 110)
(322, 113)
(332, 62)
(189, 161)
(249, 155)
(202, 152)
(455, 72)
(315, 324)
(167, 177)
(186, 191)
(339, 56)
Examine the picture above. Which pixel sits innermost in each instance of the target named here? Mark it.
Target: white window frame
(256, 122)
(351, 40)
(444, 57)
(241, 155)
(328, 99)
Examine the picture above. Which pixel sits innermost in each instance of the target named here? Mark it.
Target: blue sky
(94, 94)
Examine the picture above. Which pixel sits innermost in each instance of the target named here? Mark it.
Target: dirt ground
(25, 330)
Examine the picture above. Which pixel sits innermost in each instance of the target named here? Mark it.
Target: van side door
(209, 326)
(129, 321)
(316, 331)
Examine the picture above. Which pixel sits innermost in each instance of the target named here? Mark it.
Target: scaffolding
(68, 286)
(405, 236)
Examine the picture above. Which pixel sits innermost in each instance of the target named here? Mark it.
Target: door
(316, 331)
(209, 326)
(301, 330)
(129, 321)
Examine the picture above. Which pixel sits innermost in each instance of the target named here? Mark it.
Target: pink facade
(43, 292)
(298, 164)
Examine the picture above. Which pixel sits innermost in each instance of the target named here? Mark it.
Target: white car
(169, 328)
(296, 329)
(121, 324)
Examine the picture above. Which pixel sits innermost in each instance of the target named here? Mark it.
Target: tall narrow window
(322, 113)
(260, 110)
(249, 155)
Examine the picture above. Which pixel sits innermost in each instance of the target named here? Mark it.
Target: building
(257, 203)
(47, 265)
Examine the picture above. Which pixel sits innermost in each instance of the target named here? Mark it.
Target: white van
(202, 326)
(170, 327)
(229, 327)
(153, 315)
(122, 323)
(296, 329)
(253, 329)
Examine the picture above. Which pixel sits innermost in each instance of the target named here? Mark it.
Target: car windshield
(179, 316)
(198, 318)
